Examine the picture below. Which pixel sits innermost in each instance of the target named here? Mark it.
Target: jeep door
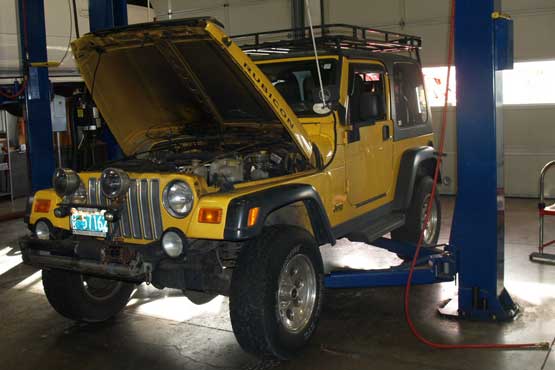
(369, 149)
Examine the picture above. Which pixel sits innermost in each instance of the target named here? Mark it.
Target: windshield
(298, 82)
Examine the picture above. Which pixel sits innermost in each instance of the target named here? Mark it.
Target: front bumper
(200, 271)
(91, 257)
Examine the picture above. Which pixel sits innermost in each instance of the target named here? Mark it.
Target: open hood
(152, 77)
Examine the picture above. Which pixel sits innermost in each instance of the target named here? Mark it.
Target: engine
(221, 161)
(259, 165)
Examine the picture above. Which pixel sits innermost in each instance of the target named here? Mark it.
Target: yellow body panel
(122, 79)
(358, 177)
(265, 88)
(50, 194)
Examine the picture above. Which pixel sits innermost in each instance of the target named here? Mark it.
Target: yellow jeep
(243, 156)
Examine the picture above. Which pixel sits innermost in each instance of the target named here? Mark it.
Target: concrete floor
(8, 207)
(360, 329)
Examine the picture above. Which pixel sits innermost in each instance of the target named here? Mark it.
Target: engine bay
(222, 160)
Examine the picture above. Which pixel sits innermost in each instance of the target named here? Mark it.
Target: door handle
(385, 132)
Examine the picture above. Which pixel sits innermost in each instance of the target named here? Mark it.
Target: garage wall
(534, 23)
(57, 15)
(238, 16)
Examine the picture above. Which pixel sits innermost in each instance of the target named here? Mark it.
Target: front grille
(141, 217)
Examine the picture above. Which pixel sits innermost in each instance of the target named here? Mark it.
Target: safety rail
(544, 210)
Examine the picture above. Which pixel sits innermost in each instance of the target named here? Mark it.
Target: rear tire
(85, 298)
(410, 232)
(276, 292)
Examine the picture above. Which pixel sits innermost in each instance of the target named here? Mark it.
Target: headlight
(65, 181)
(114, 182)
(178, 199)
(172, 243)
(42, 230)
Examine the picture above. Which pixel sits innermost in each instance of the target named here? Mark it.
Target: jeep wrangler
(243, 155)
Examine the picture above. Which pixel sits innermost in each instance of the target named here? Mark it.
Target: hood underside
(186, 74)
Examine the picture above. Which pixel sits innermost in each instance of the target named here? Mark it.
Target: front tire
(85, 298)
(276, 292)
(416, 213)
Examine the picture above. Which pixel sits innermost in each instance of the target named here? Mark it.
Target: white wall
(529, 133)
(534, 23)
(57, 16)
(237, 16)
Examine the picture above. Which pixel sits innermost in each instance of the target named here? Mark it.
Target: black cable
(334, 142)
(70, 33)
(94, 73)
(74, 133)
(76, 20)
(547, 354)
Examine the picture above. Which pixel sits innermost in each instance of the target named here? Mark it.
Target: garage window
(435, 79)
(528, 83)
(410, 97)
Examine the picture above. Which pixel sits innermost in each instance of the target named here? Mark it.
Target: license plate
(89, 221)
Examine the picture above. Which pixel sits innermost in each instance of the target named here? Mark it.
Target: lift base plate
(502, 309)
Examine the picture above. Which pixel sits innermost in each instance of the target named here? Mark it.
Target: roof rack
(330, 37)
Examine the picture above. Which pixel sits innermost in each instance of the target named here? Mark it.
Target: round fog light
(172, 243)
(60, 212)
(42, 230)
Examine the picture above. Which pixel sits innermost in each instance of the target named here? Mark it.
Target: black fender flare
(411, 161)
(269, 200)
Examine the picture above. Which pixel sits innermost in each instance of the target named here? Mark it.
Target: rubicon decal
(277, 106)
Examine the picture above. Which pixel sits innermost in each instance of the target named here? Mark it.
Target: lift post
(483, 47)
(106, 14)
(37, 93)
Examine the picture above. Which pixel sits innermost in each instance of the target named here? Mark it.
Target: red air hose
(17, 93)
(410, 323)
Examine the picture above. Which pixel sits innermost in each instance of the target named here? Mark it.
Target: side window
(367, 100)
(410, 97)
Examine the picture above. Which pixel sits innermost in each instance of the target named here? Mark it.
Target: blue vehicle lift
(434, 266)
(483, 47)
(106, 14)
(102, 14)
(37, 93)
